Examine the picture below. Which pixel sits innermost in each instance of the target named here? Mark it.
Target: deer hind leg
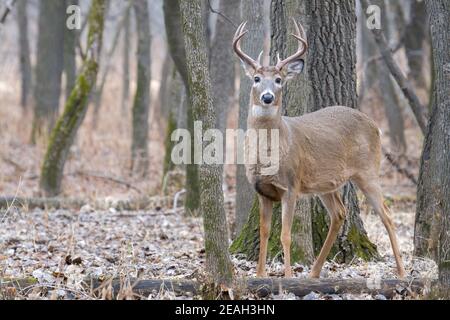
(265, 219)
(287, 217)
(336, 210)
(372, 191)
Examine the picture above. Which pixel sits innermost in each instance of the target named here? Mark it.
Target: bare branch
(397, 74)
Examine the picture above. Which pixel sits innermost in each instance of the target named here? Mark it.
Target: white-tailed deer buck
(319, 152)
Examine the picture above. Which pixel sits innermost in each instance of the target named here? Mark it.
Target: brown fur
(319, 153)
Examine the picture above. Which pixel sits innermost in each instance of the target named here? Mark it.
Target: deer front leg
(265, 219)
(287, 217)
(336, 210)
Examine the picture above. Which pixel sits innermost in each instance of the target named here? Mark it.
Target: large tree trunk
(332, 36)
(70, 56)
(218, 263)
(65, 130)
(49, 66)
(176, 48)
(25, 63)
(432, 227)
(253, 12)
(139, 147)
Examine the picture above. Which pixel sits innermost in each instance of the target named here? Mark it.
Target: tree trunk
(176, 48)
(175, 100)
(49, 66)
(415, 35)
(222, 62)
(332, 73)
(432, 226)
(252, 12)
(126, 64)
(25, 63)
(70, 56)
(218, 263)
(98, 93)
(139, 147)
(75, 109)
(388, 92)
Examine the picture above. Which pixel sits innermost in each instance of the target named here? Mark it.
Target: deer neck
(262, 117)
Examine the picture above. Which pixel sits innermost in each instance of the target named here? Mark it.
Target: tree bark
(252, 11)
(70, 56)
(65, 130)
(175, 101)
(415, 35)
(223, 61)
(126, 64)
(218, 263)
(332, 72)
(176, 48)
(432, 227)
(25, 63)
(139, 147)
(49, 66)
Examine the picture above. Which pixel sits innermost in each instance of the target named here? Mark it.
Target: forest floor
(55, 244)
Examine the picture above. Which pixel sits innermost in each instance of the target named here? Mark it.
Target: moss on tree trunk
(75, 109)
(140, 111)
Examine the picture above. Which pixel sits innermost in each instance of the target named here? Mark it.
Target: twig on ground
(106, 177)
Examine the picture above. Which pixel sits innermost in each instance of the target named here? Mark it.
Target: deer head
(268, 80)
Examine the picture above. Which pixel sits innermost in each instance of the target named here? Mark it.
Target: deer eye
(278, 80)
(257, 79)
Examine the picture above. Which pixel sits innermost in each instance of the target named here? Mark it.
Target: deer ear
(294, 68)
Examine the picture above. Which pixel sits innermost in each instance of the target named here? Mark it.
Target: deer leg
(265, 219)
(287, 217)
(336, 210)
(373, 193)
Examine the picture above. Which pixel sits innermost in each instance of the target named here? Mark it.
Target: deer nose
(267, 98)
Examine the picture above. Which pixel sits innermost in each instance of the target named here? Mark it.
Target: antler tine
(300, 36)
(240, 33)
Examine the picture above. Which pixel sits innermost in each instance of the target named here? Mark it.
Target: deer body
(318, 153)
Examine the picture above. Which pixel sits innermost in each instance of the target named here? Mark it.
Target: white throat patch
(260, 111)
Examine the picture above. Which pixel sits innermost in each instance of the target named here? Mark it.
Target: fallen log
(261, 287)
(141, 203)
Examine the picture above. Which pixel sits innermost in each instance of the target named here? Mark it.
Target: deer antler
(300, 36)
(240, 32)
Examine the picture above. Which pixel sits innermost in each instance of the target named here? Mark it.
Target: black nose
(267, 98)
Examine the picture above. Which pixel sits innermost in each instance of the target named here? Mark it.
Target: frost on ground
(51, 245)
